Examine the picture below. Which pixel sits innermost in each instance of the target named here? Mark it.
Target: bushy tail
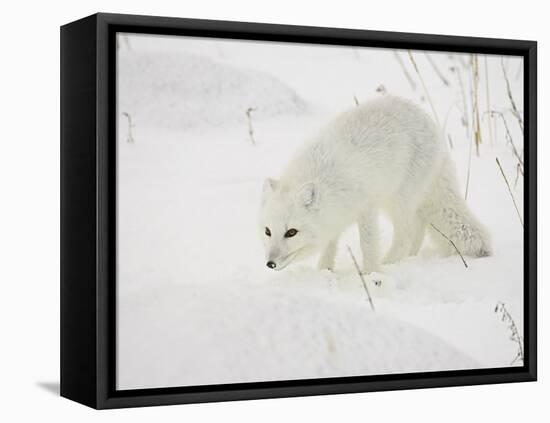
(446, 209)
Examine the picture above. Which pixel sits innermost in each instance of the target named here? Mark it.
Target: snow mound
(183, 91)
(240, 332)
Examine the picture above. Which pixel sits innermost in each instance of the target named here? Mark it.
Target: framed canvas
(255, 210)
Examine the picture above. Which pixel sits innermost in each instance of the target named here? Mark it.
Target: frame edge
(78, 310)
(104, 397)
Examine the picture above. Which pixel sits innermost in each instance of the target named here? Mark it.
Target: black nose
(271, 264)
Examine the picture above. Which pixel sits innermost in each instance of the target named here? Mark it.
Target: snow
(196, 304)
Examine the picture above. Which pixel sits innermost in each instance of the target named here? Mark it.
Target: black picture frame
(88, 194)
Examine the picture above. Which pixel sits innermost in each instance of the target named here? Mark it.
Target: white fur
(386, 155)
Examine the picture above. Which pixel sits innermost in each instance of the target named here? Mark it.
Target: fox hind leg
(408, 233)
(418, 233)
(409, 226)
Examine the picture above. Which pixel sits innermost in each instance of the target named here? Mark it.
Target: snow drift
(182, 91)
(194, 334)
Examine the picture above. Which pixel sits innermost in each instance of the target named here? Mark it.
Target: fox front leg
(369, 240)
(326, 260)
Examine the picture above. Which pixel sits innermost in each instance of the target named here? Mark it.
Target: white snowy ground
(196, 304)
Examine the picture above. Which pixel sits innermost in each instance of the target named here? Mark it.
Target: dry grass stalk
(426, 92)
(475, 102)
(452, 243)
(130, 138)
(469, 171)
(515, 336)
(515, 110)
(356, 101)
(519, 171)
(509, 138)
(361, 277)
(405, 71)
(510, 191)
(437, 71)
(250, 127)
(470, 90)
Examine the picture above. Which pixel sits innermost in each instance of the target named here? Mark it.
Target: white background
(29, 166)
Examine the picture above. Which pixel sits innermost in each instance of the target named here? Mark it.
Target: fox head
(289, 218)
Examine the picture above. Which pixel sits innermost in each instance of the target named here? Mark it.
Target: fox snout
(271, 264)
(273, 257)
(273, 260)
(276, 259)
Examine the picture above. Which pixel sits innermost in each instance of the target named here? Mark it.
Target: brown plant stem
(452, 243)
(510, 191)
(361, 277)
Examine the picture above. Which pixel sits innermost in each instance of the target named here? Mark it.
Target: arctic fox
(386, 155)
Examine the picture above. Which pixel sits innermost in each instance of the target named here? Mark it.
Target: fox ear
(270, 185)
(308, 196)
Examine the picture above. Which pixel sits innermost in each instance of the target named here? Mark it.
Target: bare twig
(361, 277)
(130, 138)
(250, 128)
(452, 243)
(510, 191)
(515, 336)
(511, 97)
(424, 86)
(437, 71)
(405, 71)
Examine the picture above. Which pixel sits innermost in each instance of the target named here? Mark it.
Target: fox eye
(290, 233)
(267, 231)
